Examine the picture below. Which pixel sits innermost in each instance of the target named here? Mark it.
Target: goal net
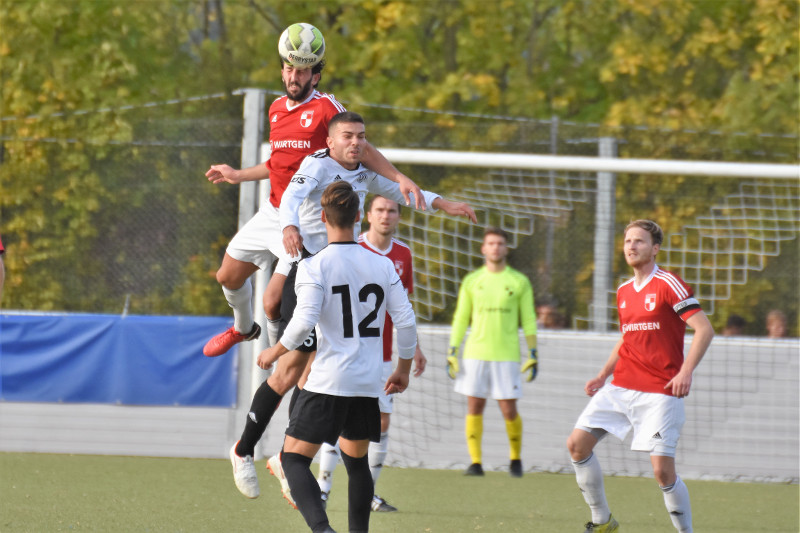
(731, 233)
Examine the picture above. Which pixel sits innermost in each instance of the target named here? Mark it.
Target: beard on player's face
(297, 92)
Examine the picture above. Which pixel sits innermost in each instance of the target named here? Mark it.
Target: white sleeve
(390, 189)
(399, 308)
(310, 294)
(303, 182)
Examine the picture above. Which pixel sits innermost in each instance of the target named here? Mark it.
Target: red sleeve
(408, 271)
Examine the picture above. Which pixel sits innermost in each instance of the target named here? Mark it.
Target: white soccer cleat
(244, 474)
(276, 469)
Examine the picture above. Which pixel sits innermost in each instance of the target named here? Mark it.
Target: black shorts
(288, 303)
(318, 418)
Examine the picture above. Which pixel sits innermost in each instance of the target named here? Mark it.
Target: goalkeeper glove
(452, 363)
(531, 365)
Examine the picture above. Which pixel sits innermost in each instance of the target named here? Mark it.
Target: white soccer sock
(241, 301)
(328, 459)
(377, 455)
(676, 498)
(590, 480)
(272, 334)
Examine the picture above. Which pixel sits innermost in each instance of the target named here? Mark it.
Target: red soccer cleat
(219, 344)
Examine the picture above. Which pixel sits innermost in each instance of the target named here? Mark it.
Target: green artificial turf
(43, 492)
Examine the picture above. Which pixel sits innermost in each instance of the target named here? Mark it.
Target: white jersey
(300, 204)
(348, 290)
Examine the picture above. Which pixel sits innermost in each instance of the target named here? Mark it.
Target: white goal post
(590, 164)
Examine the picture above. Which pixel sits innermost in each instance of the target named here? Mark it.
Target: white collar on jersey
(375, 248)
(307, 100)
(637, 288)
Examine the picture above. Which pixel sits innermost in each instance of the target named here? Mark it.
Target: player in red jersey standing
(383, 215)
(651, 378)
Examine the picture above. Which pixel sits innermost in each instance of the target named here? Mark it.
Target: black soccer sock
(293, 399)
(305, 490)
(265, 403)
(360, 490)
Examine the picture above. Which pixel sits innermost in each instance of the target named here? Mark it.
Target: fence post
(252, 136)
(604, 218)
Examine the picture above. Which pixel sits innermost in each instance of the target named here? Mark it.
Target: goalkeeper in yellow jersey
(495, 300)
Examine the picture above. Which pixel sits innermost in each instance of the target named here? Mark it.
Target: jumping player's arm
(303, 182)
(703, 333)
(456, 209)
(596, 383)
(389, 189)
(226, 174)
(376, 162)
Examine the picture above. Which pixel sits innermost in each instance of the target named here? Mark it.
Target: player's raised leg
(234, 276)
(272, 306)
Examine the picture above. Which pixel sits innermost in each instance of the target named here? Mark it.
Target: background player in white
(383, 216)
(304, 232)
(651, 378)
(347, 290)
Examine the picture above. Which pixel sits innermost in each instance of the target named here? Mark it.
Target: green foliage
(68, 144)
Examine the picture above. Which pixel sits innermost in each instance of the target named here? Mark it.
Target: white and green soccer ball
(301, 45)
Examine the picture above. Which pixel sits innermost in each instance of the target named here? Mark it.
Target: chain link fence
(113, 214)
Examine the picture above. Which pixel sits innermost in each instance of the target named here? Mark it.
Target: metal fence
(112, 212)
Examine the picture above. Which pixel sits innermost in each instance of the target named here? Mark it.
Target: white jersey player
(301, 201)
(346, 290)
(301, 211)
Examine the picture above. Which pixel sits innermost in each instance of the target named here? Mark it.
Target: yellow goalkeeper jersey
(495, 304)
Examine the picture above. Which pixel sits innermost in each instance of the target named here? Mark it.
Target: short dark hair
(372, 200)
(735, 321)
(650, 227)
(341, 204)
(493, 230)
(345, 117)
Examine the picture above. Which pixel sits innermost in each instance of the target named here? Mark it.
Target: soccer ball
(301, 45)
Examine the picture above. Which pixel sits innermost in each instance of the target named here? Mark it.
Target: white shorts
(260, 241)
(656, 419)
(498, 380)
(386, 401)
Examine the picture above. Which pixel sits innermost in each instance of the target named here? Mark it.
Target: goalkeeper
(495, 300)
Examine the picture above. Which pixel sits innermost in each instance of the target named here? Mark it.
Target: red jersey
(652, 320)
(400, 254)
(293, 134)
